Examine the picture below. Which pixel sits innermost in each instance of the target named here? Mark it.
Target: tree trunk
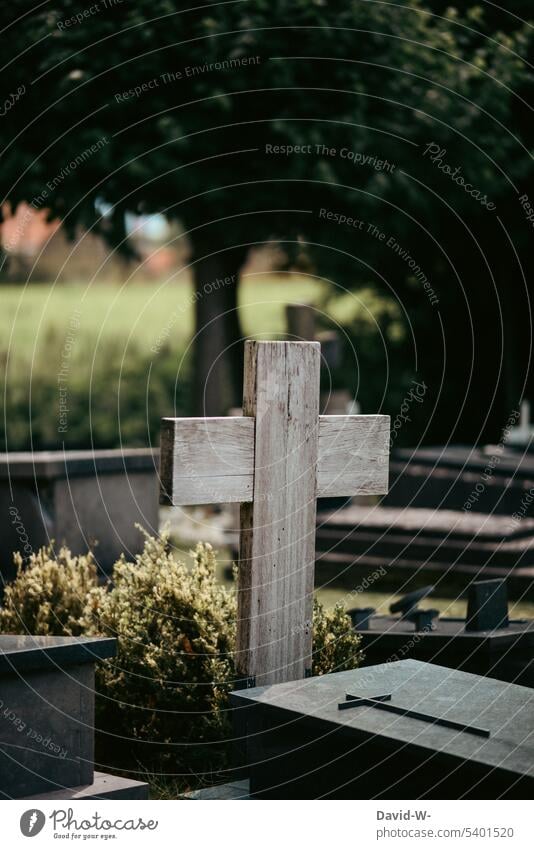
(218, 343)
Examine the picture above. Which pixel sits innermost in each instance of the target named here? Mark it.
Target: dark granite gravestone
(300, 745)
(487, 642)
(47, 720)
(87, 499)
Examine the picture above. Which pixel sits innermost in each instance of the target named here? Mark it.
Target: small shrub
(336, 647)
(49, 594)
(175, 629)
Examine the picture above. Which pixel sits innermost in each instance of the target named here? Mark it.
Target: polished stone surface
(295, 730)
(506, 710)
(47, 711)
(46, 729)
(18, 653)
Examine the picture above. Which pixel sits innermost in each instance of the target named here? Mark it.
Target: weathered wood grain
(353, 455)
(207, 461)
(275, 459)
(277, 549)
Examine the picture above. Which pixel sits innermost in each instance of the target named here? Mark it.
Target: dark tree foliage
(222, 84)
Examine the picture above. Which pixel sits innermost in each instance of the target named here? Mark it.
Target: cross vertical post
(277, 542)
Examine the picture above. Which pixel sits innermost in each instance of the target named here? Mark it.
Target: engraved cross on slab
(275, 460)
(384, 703)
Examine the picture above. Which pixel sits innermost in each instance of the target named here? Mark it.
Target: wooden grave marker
(276, 460)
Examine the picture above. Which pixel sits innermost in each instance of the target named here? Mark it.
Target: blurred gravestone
(85, 499)
(487, 606)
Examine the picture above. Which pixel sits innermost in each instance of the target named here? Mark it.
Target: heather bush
(49, 594)
(336, 647)
(175, 629)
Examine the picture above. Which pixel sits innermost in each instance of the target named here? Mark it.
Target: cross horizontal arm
(211, 460)
(353, 455)
(207, 461)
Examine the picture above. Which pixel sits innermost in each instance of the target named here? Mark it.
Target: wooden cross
(276, 460)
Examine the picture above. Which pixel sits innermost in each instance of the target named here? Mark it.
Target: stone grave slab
(47, 716)
(300, 745)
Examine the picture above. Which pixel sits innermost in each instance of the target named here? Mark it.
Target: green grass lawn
(137, 311)
(118, 350)
(455, 606)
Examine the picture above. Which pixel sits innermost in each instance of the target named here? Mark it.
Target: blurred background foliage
(381, 80)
